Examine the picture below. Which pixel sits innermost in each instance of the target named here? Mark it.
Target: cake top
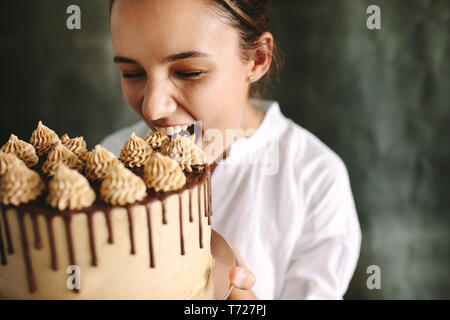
(65, 174)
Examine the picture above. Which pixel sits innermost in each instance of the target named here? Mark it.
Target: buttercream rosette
(43, 139)
(23, 150)
(122, 187)
(163, 174)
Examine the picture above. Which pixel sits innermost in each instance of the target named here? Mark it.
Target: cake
(88, 225)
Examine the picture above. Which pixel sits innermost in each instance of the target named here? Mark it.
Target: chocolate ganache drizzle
(199, 179)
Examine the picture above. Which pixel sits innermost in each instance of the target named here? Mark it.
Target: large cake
(88, 225)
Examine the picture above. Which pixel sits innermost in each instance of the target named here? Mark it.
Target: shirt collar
(267, 129)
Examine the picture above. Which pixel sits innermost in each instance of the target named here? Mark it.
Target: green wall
(380, 99)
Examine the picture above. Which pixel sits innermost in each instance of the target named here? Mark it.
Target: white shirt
(285, 199)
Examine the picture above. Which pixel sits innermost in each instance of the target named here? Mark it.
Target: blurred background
(379, 98)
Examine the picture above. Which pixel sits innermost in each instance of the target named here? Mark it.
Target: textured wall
(380, 99)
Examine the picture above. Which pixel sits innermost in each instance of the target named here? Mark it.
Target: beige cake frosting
(135, 152)
(7, 160)
(77, 146)
(68, 189)
(23, 150)
(99, 162)
(43, 139)
(122, 187)
(184, 151)
(127, 237)
(60, 154)
(157, 140)
(163, 174)
(20, 185)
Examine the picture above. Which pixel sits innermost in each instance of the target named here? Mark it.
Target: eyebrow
(172, 58)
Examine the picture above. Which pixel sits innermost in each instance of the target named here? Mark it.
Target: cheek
(132, 96)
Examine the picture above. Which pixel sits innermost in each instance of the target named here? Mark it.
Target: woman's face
(180, 63)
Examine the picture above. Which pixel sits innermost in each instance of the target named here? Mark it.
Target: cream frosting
(163, 174)
(157, 140)
(122, 187)
(20, 185)
(78, 147)
(135, 152)
(69, 189)
(99, 162)
(65, 138)
(60, 154)
(184, 151)
(7, 160)
(23, 150)
(43, 139)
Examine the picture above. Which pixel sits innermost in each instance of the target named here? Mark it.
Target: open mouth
(184, 130)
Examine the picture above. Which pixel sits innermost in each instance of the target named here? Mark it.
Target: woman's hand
(241, 278)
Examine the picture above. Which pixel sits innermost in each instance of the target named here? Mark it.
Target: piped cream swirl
(122, 187)
(43, 139)
(99, 162)
(135, 152)
(163, 174)
(7, 160)
(20, 185)
(186, 153)
(69, 189)
(60, 154)
(157, 140)
(78, 147)
(23, 150)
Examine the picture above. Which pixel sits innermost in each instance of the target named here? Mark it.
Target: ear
(261, 58)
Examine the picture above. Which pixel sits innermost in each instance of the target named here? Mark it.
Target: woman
(280, 194)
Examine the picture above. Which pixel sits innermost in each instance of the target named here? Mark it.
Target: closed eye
(189, 75)
(128, 75)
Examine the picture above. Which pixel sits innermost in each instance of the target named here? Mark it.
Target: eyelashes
(182, 75)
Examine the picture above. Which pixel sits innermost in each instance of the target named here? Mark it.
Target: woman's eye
(129, 75)
(189, 75)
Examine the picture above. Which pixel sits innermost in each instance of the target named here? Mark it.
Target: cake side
(170, 261)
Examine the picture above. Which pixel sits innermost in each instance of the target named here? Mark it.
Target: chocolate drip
(181, 225)
(130, 222)
(109, 224)
(9, 244)
(150, 242)
(200, 217)
(163, 203)
(205, 200)
(26, 252)
(191, 218)
(92, 238)
(3, 259)
(210, 212)
(37, 234)
(68, 224)
(51, 237)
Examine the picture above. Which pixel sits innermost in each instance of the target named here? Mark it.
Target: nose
(157, 102)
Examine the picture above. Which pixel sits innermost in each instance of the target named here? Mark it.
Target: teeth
(171, 130)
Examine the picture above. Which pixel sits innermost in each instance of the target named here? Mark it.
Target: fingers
(242, 278)
(238, 255)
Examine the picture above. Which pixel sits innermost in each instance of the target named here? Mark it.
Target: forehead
(160, 27)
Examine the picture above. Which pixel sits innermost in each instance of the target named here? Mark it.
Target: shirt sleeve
(326, 252)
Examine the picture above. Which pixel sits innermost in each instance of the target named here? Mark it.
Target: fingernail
(239, 277)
